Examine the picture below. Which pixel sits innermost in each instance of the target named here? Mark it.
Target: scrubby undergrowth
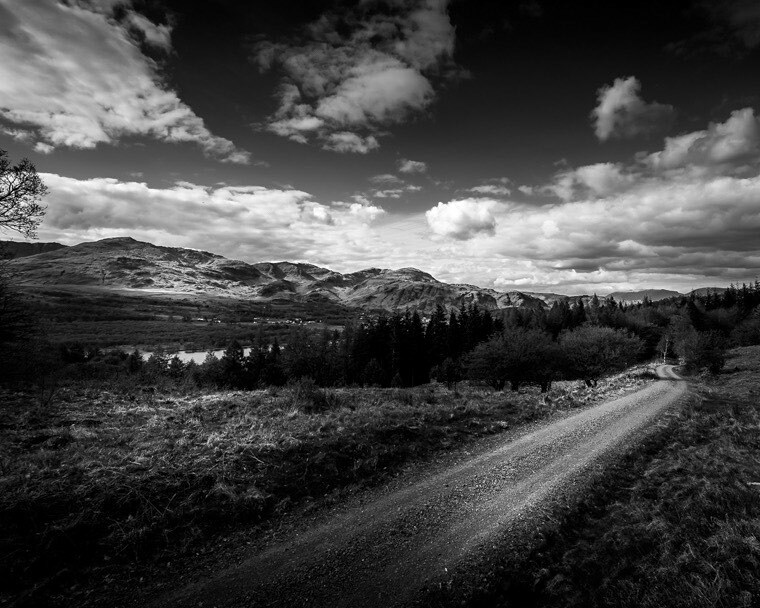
(676, 524)
(99, 478)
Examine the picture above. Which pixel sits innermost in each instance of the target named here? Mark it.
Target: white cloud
(389, 193)
(463, 219)
(345, 141)
(157, 36)
(248, 222)
(395, 192)
(600, 179)
(617, 226)
(359, 71)
(621, 113)
(379, 92)
(366, 213)
(412, 166)
(492, 189)
(85, 81)
(21, 135)
(42, 148)
(736, 140)
(385, 178)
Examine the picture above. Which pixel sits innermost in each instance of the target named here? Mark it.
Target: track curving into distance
(381, 553)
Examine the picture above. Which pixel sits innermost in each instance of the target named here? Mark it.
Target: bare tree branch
(21, 192)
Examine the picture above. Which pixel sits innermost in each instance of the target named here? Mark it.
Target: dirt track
(383, 552)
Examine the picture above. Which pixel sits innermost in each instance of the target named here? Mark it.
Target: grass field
(106, 318)
(675, 524)
(100, 479)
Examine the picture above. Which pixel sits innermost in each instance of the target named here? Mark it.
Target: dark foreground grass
(675, 524)
(102, 480)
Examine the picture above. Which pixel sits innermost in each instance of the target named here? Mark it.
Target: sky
(574, 146)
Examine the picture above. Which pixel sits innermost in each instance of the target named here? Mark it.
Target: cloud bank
(680, 217)
(249, 222)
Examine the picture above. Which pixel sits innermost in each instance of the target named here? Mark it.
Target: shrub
(703, 350)
(518, 356)
(311, 399)
(591, 352)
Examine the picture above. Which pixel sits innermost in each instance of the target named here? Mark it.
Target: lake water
(198, 356)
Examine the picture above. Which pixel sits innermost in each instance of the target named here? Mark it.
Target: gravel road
(383, 552)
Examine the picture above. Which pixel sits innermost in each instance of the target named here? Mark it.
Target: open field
(676, 524)
(161, 474)
(115, 317)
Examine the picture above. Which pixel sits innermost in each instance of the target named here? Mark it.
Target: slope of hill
(10, 250)
(703, 291)
(638, 296)
(125, 263)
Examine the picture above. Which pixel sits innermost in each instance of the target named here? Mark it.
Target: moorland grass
(101, 478)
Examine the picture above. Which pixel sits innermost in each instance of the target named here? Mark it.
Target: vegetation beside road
(676, 523)
(100, 478)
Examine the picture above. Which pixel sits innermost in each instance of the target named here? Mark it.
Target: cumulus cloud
(600, 179)
(345, 141)
(657, 222)
(358, 72)
(463, 219)
(674, 231)
(249, 222)
(737, 140)
(412, 166)
(691, 220)
(622, 113)
(85, 81)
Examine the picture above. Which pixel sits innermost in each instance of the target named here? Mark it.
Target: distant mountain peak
(413, 274)
(116, 240)
(637, 296)
(126, 263)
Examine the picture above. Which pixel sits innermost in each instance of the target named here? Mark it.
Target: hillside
(124, 263)
(703, 291)
(632, 297)
(10, 250)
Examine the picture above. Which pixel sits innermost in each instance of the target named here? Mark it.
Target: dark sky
(554, 146)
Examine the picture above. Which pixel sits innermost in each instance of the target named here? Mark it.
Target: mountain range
(124, 263)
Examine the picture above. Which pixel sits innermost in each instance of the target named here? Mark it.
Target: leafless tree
(21, 192)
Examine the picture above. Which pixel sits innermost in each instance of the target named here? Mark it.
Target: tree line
(517, 346)
(571, 340)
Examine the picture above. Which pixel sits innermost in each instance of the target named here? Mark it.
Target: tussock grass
(102, 478)
(676, 524)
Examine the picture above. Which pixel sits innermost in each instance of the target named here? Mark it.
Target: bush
(591, 352)
(309, 398)
(703, 350)
(518, 356)
(747, 333)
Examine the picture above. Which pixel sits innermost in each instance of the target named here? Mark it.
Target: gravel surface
(384, 552)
